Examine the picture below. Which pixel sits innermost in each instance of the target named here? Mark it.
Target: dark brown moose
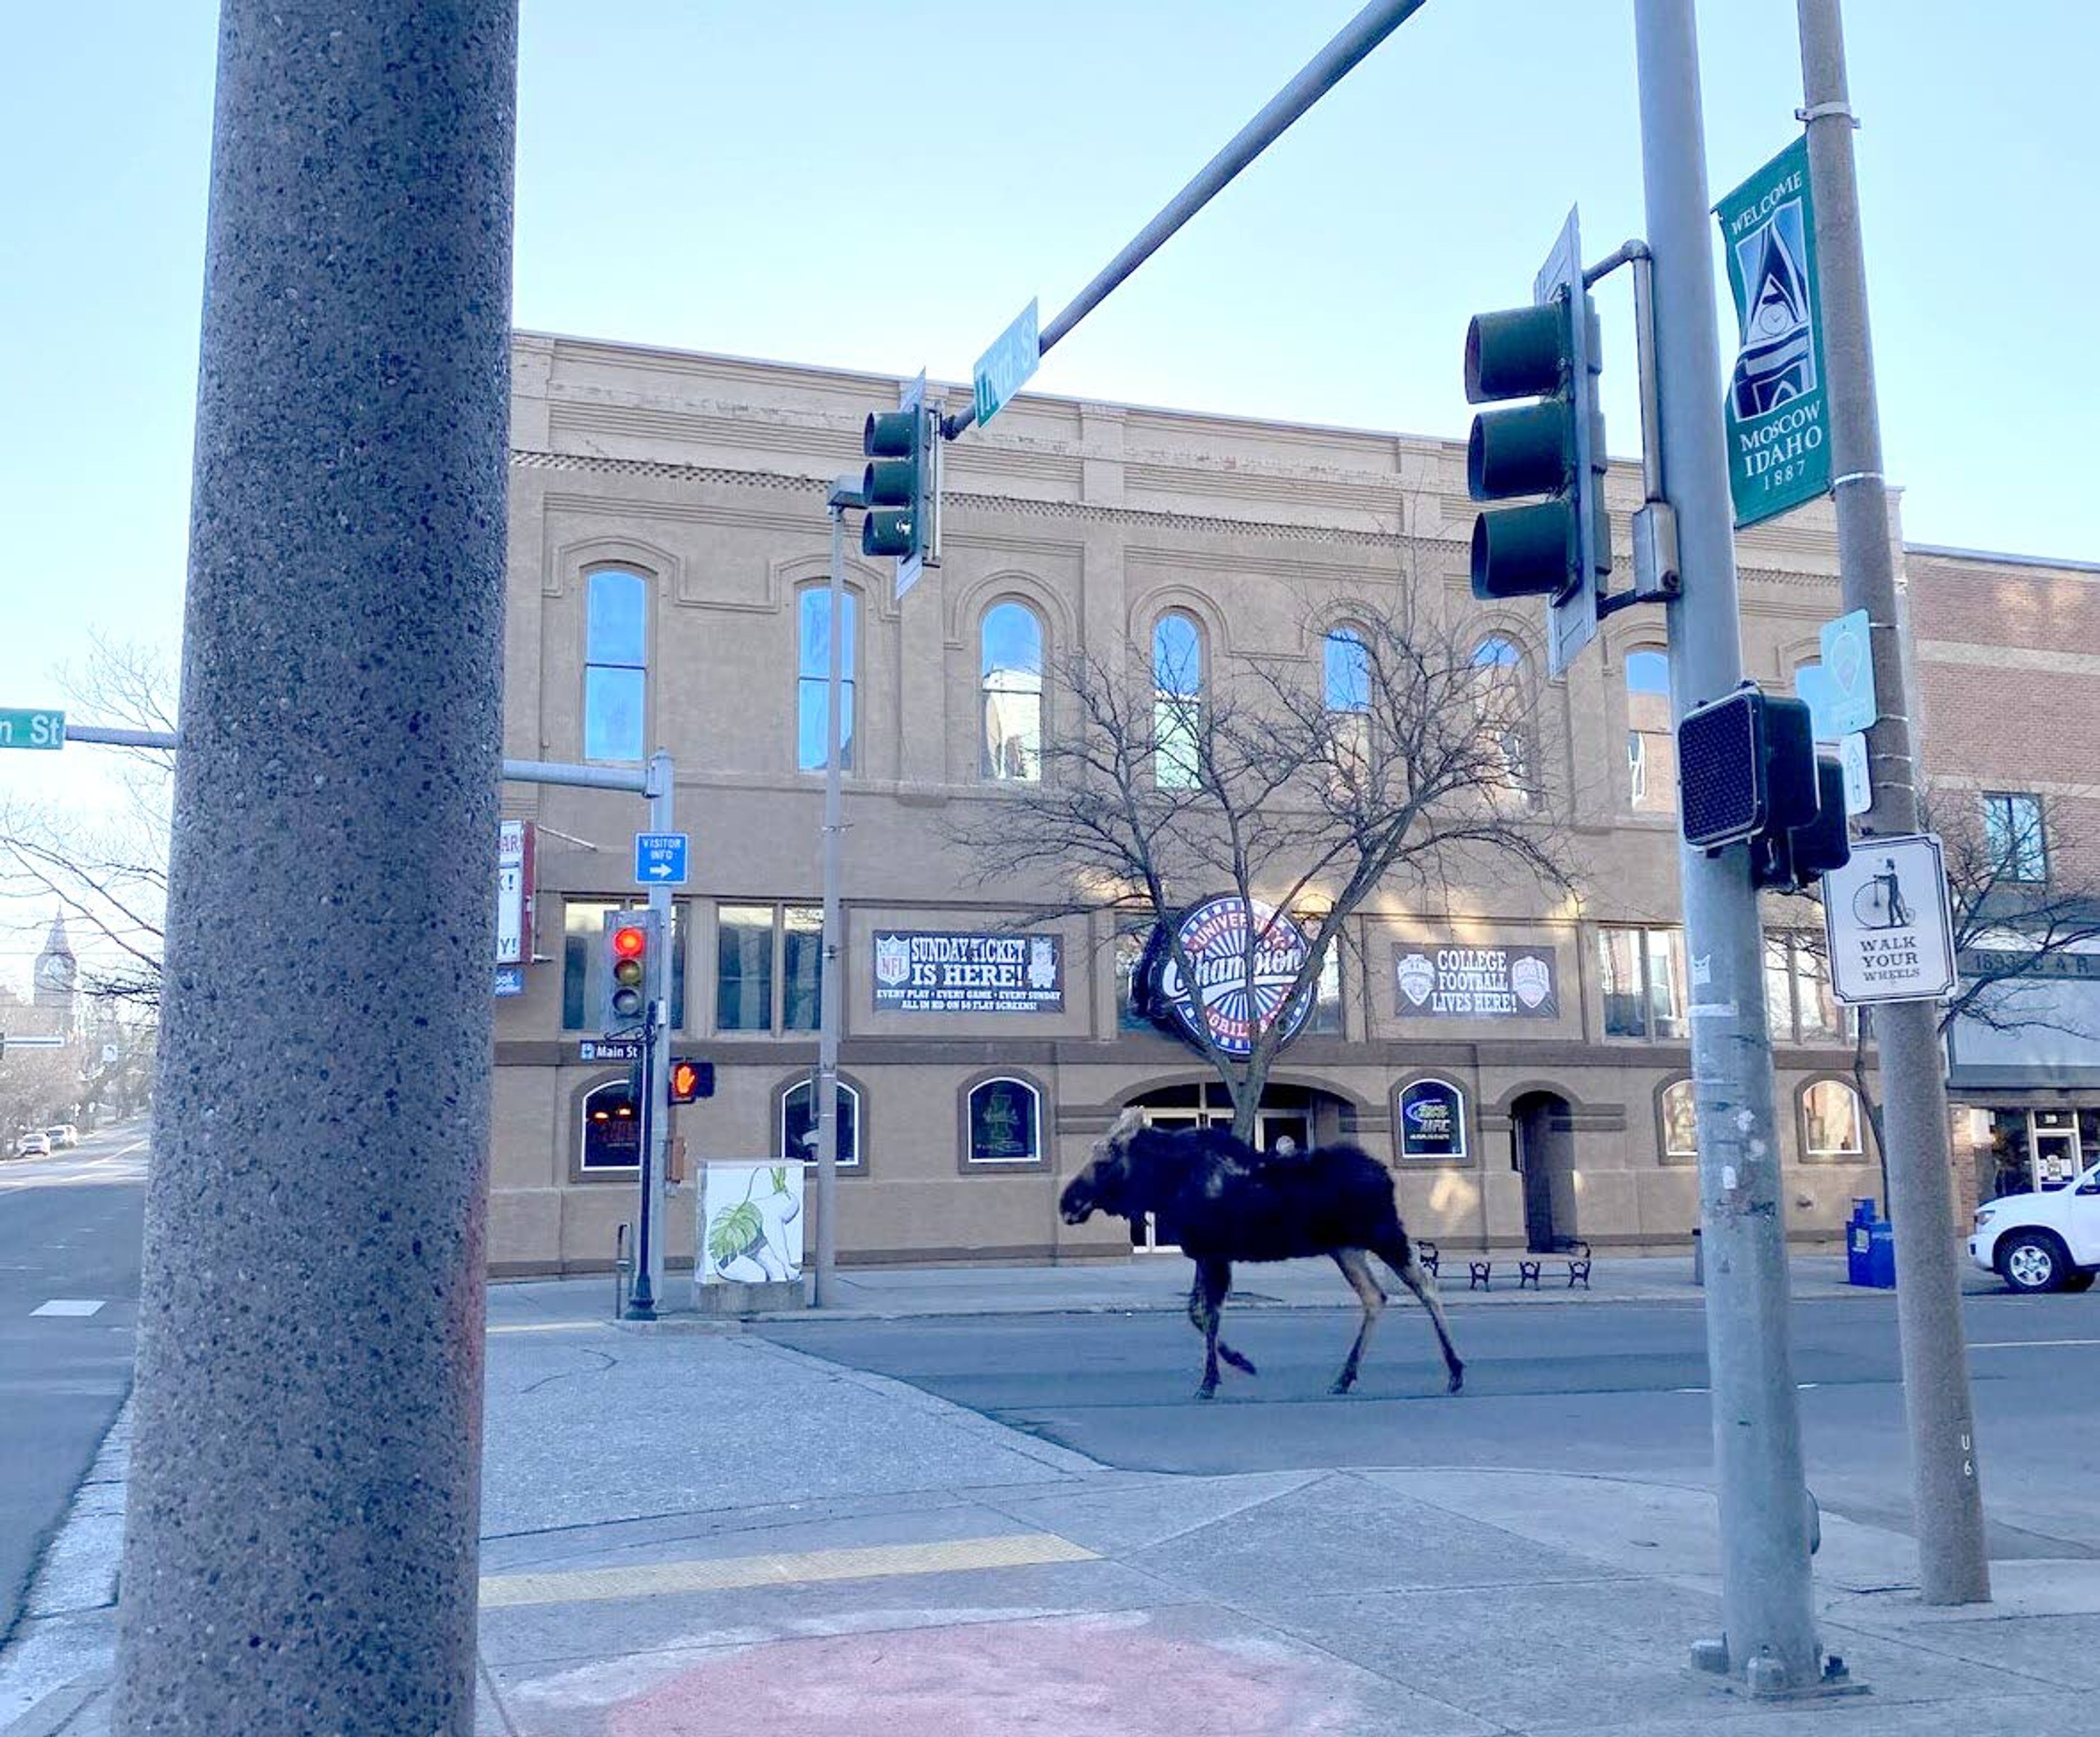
(1225, 1201)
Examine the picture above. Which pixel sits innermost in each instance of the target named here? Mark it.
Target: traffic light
(691, 1079)
(1559, 548)
(1748, 772)
(628, 935)
(896, 486)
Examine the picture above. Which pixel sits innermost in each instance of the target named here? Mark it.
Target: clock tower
(58, 975)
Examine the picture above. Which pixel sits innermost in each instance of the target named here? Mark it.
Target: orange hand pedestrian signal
(691, 1079)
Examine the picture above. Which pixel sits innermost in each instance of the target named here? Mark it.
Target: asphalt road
(70, 1234)
(1616, 1389)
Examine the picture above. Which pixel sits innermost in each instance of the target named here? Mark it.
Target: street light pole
(1770, 1640)
(844, 494)
(1916, 1156)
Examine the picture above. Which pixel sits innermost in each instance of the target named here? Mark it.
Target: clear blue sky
(708, 174)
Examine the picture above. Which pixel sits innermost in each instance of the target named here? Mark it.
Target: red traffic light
(629, 942)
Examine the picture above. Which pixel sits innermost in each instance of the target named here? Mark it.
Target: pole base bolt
(1711, 1655)
(1766, 1675)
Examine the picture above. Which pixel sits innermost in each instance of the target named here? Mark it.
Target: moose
(1227, 1202)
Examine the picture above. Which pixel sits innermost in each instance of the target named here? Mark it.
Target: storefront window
(798, 1123)
(1642, 973)
(612, 1131)
(756, 945)
(1680, 1122)
(1005, 1122)
(1830, 1114)
(1432, 1121)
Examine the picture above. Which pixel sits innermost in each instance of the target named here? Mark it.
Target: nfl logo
(892, 960)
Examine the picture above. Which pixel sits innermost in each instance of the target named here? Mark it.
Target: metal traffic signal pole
(1953, 1567)
(1770, 1640)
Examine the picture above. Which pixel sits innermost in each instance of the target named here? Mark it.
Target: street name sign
(32, 727)
(1848, 666)
(1779, 444)
(609, 1049)
(1890, 928)
(1002, 369)
(659, 859)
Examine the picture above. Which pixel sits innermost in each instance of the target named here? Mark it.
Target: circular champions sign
(1215, 937)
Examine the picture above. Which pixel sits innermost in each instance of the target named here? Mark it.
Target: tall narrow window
(812, 676)
(1651, 743)
(1680, 1122)
(798, 1123)
(1011, 643)
(1830, 1122)
(1346, 686)
(2013, 838)
(615, 665)
(1177, 700)
(1499, 695)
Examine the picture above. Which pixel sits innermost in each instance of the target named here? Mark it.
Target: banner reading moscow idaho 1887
(1779, 434)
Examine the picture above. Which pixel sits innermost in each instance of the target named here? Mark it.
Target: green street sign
(1779, 433)
(31, 728)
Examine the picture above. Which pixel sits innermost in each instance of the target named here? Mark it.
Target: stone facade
(705, 479)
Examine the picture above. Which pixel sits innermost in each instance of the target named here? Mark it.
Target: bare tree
(1298, 785)
(107, 871)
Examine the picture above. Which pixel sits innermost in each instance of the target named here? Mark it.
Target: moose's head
(1104, 1185)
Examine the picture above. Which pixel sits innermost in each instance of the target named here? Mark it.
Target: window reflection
(1012, 676)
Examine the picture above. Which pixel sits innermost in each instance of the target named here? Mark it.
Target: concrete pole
(826, 1083)
(1953, 1566)
(1770, 1639)
(301, 1536)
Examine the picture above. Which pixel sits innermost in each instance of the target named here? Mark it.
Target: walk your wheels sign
(1779, 434)
(1890, 932)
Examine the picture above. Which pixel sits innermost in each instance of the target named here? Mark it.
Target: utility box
(1870, 1249)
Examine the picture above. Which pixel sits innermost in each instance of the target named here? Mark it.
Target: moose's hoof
(1208, 1391)
(1244, 1366)
(1342, 1384)
(1457, 1377)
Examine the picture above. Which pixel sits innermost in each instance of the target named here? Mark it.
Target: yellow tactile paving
(790, 1569)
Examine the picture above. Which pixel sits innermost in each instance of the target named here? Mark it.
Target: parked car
(2045, 1242)
(65, 1134)
(34, 1145)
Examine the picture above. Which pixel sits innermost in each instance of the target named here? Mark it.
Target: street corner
(1178, 1672)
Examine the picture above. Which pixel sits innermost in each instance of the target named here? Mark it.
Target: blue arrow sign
(659, 859)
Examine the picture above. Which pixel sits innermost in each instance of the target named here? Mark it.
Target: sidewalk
(689, 1529)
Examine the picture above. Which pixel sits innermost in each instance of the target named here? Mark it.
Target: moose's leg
(1400, 1256)
(1357, 1268)
(1214, 1278)
(1196, 1320)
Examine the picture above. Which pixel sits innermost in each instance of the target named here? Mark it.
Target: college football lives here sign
(924, 971)
(1450, 982)
(1778, 439)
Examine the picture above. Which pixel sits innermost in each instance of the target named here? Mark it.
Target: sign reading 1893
(31, 728)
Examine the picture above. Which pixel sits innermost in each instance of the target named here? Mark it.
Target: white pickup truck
(2045, 1242)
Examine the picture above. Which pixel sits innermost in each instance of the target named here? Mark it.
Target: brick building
(667, 551)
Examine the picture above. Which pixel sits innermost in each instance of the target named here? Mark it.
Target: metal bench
(1480, 1264)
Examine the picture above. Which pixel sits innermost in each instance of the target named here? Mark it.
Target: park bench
(1480, 1263)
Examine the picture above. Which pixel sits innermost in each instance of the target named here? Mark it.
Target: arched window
(798, 1123)
(1498, 693)
(813, 675)
(1177, 700)
(615, 665)
(1680, 1123)
(1831, 1128)
(611, 1138)
(1005, 1122)
(1432, 1122)
(1011, 666)
(1346, 688)
(1651, 742)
